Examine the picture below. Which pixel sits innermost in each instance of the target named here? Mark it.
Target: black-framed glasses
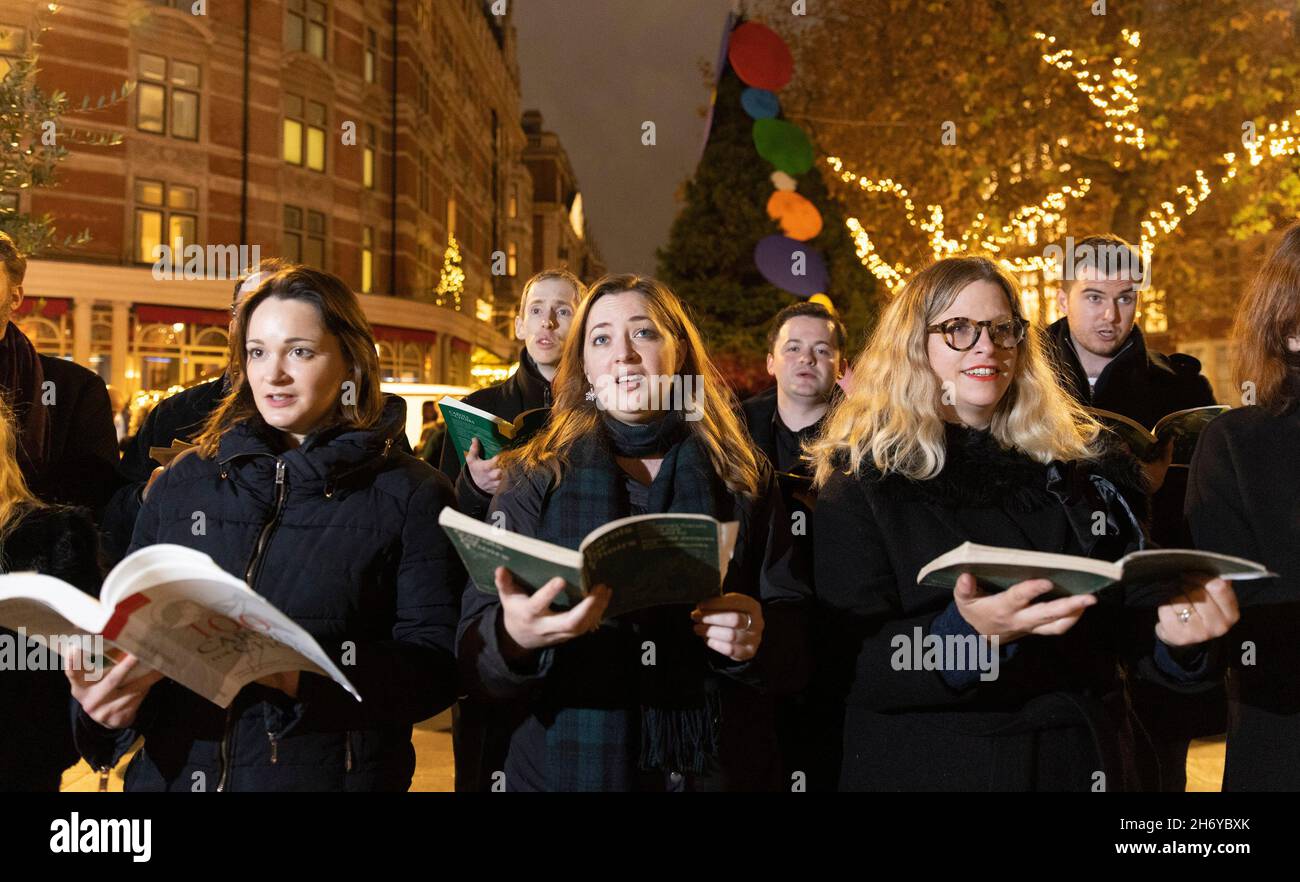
(963, 333)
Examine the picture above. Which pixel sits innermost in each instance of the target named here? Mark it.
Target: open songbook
(648, 560)
(180, 614)
(1181, 428)
(465, 422)
(1149, 577)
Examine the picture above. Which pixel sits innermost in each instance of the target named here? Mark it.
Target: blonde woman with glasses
(955, 430)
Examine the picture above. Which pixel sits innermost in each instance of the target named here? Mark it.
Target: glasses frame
(980, 328)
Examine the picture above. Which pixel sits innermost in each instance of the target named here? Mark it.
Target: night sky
(597, 69)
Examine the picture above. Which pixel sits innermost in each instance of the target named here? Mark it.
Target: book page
(533, 562)
(656, 560)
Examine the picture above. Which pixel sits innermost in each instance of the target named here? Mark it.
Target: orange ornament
(799, 218)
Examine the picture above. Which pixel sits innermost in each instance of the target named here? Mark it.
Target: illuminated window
(305, 26)
(368, 159)
(367, 259)
(304, 132)
(163, 207)
(512, 259)
(167, 97)
(512, 209)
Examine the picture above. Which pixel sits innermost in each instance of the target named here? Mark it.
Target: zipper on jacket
(250, 574)
(275, 758)
(104, 772)
(347, 751)
(225, 748)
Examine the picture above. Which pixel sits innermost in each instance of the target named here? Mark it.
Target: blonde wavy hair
(891, 416)
(574, 416)
(14, 494)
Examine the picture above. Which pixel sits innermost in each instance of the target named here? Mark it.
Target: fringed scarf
(602, 734)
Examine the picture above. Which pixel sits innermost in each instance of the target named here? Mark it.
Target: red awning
(404, 335)
(170, 315)
(53, 306)
(460, 345)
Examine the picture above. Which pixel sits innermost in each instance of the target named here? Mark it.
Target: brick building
(360, 137)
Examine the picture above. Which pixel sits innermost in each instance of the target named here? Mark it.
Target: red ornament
(760, 57)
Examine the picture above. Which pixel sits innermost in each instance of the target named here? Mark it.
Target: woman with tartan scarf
(672, 698)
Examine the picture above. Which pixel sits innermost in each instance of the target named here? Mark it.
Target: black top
(1241, 500)
(1056, 713)
(177, 418)
(83, 441)
(36, 743)
(526, 389)
(342, 536)
(781, 444)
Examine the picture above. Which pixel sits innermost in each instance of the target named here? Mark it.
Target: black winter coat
(177, 418)
(83, 442)
(1241, 500)
(1055, 715)
(526, 389)
(351, 550)
(760, 416)
(35, 741)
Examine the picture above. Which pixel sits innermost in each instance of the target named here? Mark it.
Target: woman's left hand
(731, 625)
(1206, 608)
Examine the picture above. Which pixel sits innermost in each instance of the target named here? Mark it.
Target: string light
(452, 280)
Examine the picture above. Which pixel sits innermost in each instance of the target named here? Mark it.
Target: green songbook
(1150, 577)
(647, 560)
(1181, 428)
(466, 422)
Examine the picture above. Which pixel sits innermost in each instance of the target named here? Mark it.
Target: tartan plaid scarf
(601, 734)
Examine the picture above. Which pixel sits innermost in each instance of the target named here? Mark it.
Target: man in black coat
(65, 422)
(1103, 361)
(546, 308)
(805, 355)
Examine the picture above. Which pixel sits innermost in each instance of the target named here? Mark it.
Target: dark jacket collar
(529, 383)
(324, 456)
(1128, 369)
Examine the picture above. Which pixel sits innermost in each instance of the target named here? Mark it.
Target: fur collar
(979, 472)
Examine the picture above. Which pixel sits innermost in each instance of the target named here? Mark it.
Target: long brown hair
(891, 416)
(1266, 316)
(341, 314)
(14, 494)
(574, 416)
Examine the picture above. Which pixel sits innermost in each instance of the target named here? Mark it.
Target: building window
(164, 213)
(167, 97)
(305, 26)
(372, 55)
(451, 216)
(367, 259)
(8, 203)
(512, 259)
(304, 132)
(424, 93)
(304, 236)
(368, 159)
(512, 205)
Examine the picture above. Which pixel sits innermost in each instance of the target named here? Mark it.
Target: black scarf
(21, 378)
(675, 709)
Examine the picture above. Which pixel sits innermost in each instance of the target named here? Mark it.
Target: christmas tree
(709, 257)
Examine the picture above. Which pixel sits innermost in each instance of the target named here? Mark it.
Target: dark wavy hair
(342, 316)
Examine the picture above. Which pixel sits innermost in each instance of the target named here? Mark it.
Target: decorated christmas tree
(713, 255)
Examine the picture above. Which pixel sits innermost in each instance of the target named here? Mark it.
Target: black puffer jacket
(35, 743)
(351, 550)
